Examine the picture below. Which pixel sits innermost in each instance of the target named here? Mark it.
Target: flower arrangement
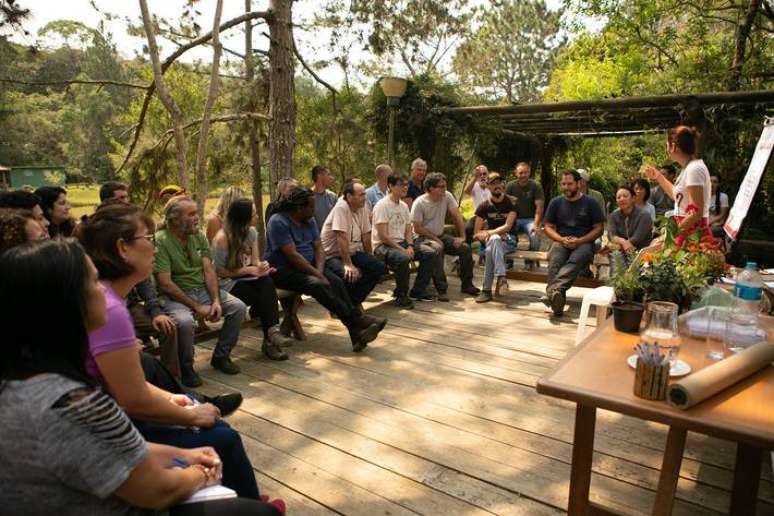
(676, 269)
(681, 266)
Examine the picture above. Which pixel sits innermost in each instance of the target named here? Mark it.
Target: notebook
(211, 493)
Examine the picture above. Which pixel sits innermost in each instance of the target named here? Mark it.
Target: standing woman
(243, 274)
(692, 190)
(642, 195)
(217, 218)
(56, 208)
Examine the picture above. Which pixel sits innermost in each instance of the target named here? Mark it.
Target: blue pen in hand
(180, 463)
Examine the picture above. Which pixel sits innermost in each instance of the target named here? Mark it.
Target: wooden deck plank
(438, 398)
(299, 503)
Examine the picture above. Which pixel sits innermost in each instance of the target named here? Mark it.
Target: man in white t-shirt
(393, 239)
(346, 241)
(428, 214)
(478, 191)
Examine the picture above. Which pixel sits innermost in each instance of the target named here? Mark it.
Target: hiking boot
(404, 302)
(277, 338)
(367, 320)
(361, 337)
(191, 379)
(421, 296)
(226, 403)
(443, 296)
(484, 297)
(272, 351)
(557, 302)
(225, 365)
(470, 290)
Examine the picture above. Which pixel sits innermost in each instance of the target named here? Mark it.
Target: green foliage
(510, 57)
(626, 281)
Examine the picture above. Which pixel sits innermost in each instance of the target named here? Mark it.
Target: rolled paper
(711, 380)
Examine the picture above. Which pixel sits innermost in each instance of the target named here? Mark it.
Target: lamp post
(394, 88)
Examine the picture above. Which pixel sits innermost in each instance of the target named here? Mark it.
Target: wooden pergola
(544, 124)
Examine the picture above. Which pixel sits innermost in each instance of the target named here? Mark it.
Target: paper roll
(721, 375)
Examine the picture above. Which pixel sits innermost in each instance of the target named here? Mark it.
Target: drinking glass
(742, 331)
(661, 328)
(717, 319)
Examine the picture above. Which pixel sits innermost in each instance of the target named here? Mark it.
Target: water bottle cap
(751, 265)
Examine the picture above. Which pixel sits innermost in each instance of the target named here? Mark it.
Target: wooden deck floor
(440, 416)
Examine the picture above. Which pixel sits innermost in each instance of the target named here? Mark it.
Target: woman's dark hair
(100, 233)
(716, 201)
(48, 196)
(236, 227)
(13, 230)
(44, 328)
(686, 138)
(19, 199)
(643, 183)
(297, 199)
(628, 188)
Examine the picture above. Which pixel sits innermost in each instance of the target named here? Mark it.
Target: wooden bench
(600, 261)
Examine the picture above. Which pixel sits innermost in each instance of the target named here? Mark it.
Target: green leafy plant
(625, 281)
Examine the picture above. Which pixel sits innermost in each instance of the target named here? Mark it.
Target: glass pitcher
(661, 328)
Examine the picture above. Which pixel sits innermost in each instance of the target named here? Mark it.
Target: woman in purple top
(119, 240)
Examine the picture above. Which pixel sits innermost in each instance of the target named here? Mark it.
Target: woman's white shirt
(695, 173)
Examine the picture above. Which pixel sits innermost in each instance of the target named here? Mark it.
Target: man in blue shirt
(378, 191)
(416, 183)
(573, 221)
(295, 250)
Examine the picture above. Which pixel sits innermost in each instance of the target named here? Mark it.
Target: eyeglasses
(150, 238)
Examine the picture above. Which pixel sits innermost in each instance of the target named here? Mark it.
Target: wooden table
(595, 375)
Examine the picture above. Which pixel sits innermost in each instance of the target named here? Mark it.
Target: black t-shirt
(525, 197)
(414, 191)
(574, 218)
(495, 214)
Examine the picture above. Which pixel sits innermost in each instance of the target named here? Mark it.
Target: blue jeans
(237, 470)
(233, 314)
(496, 248)
(526, 226)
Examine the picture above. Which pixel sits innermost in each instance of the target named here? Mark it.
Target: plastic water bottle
(742, 330)
(749, 290)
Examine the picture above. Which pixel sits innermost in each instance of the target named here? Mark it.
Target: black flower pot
(627, 316)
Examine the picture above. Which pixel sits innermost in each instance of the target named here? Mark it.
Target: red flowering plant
(680, 266)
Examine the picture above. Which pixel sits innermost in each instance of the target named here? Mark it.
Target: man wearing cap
(169, 191)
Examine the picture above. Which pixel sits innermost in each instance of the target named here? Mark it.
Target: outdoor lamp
(394, 88)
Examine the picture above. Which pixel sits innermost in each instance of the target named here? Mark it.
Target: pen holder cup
(651, 382)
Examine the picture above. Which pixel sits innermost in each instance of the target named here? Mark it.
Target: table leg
(582, 455)
(747, 474)
(670, 472)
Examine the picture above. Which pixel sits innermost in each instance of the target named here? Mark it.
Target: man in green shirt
(186, 276)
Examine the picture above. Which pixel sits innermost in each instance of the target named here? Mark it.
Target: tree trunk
(282, 101)
(546, 172)
(253, 136)
(165, 98)
(201, 155)
(742, 33)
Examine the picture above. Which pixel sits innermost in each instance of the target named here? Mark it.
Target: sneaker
(225, 365)
(272, 351)
(471, 290)
(557, 302)
(484, 297)
(443, 296)
(277, 338)
(423, 296)
(226, 403)
(404, 302)
(191, 379)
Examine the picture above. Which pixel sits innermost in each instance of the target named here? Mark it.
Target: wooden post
(582, 457)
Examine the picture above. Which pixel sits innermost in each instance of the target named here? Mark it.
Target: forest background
(68, 97)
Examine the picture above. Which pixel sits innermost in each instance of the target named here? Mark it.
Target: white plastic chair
(601, 297)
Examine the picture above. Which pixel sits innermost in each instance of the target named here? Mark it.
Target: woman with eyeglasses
(67, 446)
(119, 240)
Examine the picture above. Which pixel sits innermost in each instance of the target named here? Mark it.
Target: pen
(180, 463)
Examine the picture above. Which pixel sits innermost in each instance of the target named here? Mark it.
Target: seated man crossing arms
(498, 213)
(428, 214)
(346, 240)
(295, 250)
(573, 221)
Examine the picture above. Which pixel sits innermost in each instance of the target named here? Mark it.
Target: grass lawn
(84, 198)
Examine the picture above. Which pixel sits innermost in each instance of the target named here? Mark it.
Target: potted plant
(628, 289)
